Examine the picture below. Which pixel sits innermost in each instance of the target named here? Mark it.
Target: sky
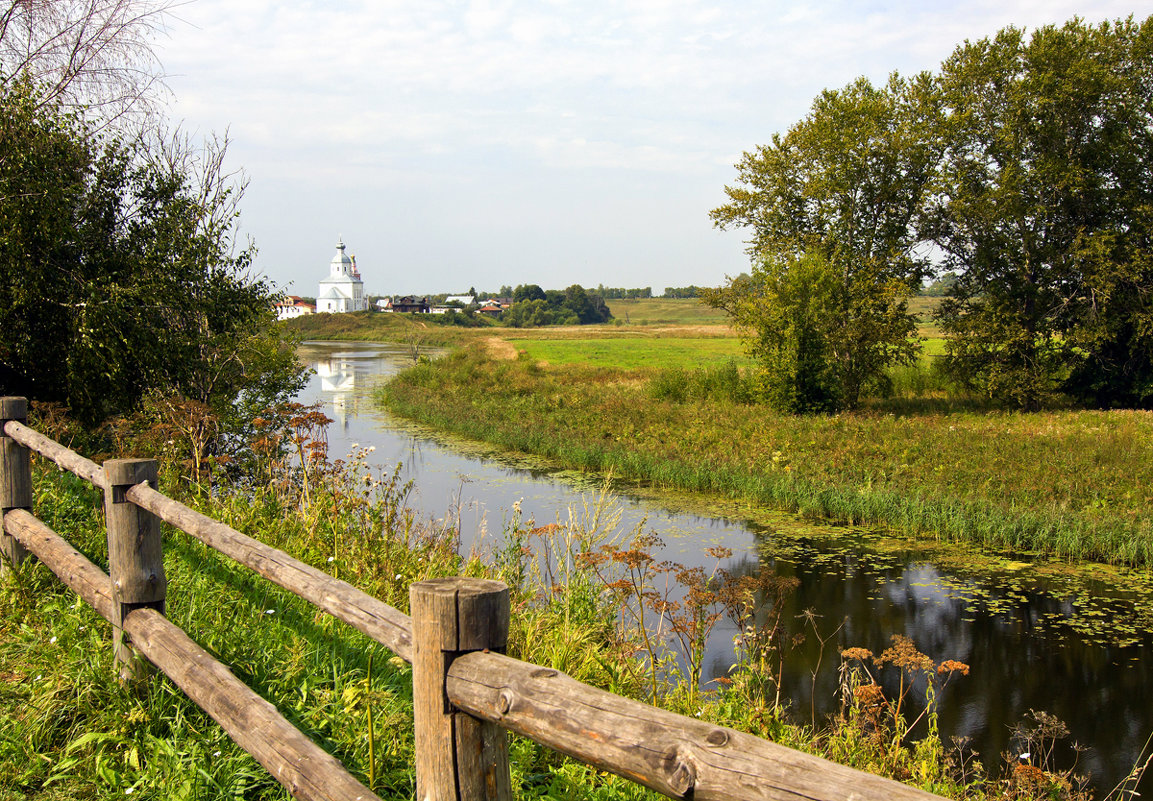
(485, 143)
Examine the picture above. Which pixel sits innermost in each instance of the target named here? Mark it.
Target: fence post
(135, 556)
(458, 757)
(15, 480)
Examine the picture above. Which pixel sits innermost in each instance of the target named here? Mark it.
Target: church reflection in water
(340, 377)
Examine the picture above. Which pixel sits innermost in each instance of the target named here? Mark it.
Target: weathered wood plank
(135, 555)
(54, 451)
(458, 757)
(15, 478)
(678, 756)
(303, 768)
(340, 599)
(70, 566)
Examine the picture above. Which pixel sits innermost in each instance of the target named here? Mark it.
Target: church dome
(341, 262)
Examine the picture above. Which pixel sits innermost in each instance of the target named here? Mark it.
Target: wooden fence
(466, 693)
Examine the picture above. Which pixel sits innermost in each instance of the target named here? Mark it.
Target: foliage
(1042, 209)
(723, 383)
(681, 292)
(621, 293)
(1022, 167)
(842, 188)
(117, 274)
(790, 319)
(533, 307)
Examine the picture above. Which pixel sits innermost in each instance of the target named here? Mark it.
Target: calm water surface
(1065, 641)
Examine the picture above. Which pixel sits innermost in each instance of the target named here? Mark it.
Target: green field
(1074, 484)
(671, 311)
(630, 353)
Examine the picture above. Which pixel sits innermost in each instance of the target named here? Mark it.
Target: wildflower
(129, 791)
(331, 559)
(951, 665)
(371, 448)
(860, 654)
(270, 611)
(52, 640)
(398, 577)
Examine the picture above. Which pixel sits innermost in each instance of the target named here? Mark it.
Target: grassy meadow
(666, 311)
(630, 352)
(925, 462)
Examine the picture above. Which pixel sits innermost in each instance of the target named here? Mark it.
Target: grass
(1071, 484)
(631, 352)
(580, 588)
(674, 311)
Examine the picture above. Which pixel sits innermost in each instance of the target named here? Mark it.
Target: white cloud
(396, 117)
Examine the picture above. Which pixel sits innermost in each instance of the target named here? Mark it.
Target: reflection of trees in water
(1018, 661)
(1018, 664)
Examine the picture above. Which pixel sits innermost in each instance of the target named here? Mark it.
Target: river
(1074, 642)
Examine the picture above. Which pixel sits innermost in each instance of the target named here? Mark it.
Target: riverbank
(1071, 484)
(67, 730)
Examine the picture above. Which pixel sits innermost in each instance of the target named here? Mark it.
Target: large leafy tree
(1042, 208)
(843, 186)
(118, 276)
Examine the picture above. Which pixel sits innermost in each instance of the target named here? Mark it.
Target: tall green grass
(1072, 484)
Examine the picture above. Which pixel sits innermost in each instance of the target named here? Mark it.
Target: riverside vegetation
(1072, 484)
(68, 730)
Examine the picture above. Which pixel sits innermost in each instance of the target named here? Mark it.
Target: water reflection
(1066, 646)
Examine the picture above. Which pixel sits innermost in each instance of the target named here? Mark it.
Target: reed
(1069, 484)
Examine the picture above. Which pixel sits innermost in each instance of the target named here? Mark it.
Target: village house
(291, 307)
(410, 303)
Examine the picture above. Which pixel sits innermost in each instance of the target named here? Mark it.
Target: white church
(342, 290)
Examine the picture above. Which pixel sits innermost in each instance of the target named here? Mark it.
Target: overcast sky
(477, 144)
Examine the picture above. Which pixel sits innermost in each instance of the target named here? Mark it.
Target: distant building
(411, 303)
(293, 306)
(463, 300)
(342, 290)
(494, 306)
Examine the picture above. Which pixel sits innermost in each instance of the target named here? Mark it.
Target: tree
(588, 307)
(118, 277)
(91, 55)
(787, 314)
(529, 314)
(844, 185)
(1043, 208)
(525, 292)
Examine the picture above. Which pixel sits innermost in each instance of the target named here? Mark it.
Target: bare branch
(90, 55)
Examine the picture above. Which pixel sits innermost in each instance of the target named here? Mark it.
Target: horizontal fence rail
(466, 693)
(301, 766)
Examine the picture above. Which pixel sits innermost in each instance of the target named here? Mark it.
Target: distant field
(645, 311)
(633, 352)
(924, 307)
